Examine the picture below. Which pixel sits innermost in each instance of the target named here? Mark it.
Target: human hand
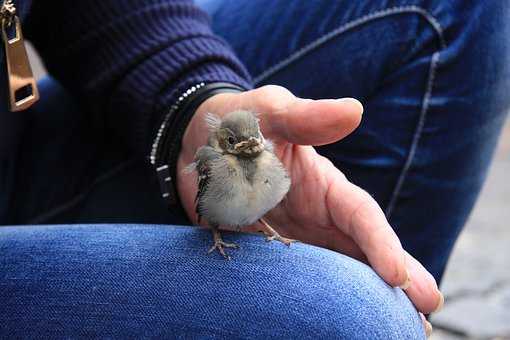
(322, 207)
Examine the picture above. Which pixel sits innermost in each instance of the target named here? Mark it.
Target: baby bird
(239, 177)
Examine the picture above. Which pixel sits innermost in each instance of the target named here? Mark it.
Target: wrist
(167, 142)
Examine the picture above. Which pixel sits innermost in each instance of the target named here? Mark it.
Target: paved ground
(477, 281)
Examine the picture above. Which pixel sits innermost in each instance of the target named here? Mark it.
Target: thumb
(304, 121)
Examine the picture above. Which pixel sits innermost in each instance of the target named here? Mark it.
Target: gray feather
(237, 191)
(213, 122)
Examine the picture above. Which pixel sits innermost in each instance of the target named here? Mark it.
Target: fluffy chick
(239, 177)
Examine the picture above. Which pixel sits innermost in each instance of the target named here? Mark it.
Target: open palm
(322, 207)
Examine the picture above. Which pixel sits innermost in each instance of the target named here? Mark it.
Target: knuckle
(364, 202)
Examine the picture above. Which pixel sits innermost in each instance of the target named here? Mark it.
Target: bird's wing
(203, 159)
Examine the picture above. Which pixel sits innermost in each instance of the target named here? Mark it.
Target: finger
(357, 214)
(423, 290)
(305, 121)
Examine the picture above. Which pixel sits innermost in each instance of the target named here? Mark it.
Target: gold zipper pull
(23, 90)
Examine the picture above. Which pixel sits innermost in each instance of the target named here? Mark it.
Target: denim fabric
(154, 281)
(434, 78)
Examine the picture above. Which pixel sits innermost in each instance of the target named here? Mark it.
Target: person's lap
(148, 281)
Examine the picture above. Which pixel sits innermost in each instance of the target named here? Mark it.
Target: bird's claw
(272, 234)
(220, 245)
(284, 240)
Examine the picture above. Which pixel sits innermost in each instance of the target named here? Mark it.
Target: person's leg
(69, 169)
(149, 281)
(434, 80)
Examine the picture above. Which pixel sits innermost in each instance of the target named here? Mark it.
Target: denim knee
(271, 291)
(335, 296)
(125, 281)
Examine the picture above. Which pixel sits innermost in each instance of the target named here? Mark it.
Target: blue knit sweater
(125, 59)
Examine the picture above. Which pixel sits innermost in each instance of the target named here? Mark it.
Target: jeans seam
(416, 135)
(42, 217)
(431, 20)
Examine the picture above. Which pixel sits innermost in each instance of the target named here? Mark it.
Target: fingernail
(353, 101)
(428, 329)
(427, 325)
(407, 282)
(440, 304)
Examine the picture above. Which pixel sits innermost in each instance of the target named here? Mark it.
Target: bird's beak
(251, 147)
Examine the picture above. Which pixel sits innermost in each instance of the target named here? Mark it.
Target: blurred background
(477, 280)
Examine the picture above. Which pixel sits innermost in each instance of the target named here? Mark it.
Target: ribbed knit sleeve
(128, 60)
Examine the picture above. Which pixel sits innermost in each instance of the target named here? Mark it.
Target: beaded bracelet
(166, 119)
(166, 147)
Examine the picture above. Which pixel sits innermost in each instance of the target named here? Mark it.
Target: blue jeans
(434, 80)
(155, 281)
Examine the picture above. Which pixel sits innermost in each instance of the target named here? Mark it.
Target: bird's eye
(231, 140)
